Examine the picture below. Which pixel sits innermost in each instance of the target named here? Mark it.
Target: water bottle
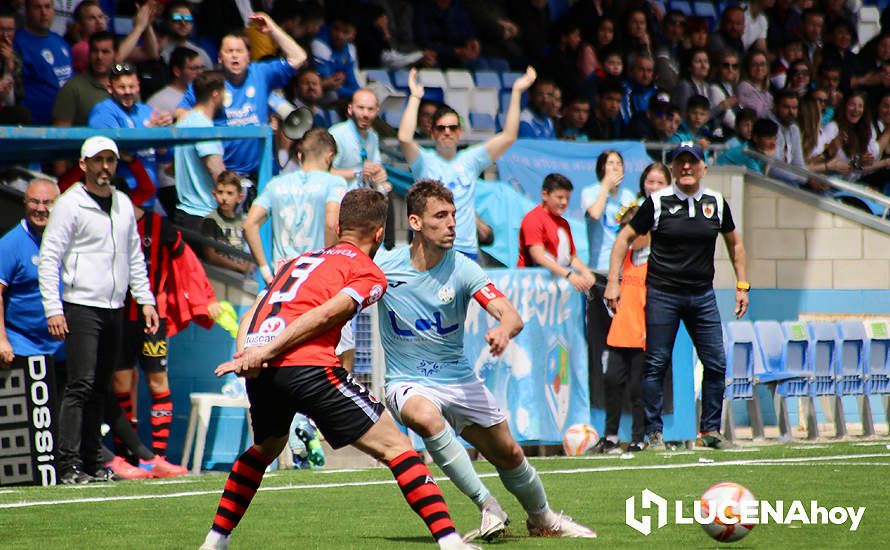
(235, 388)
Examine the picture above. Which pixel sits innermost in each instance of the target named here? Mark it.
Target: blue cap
(688, 147)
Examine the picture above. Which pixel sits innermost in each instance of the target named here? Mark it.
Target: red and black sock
(125, 402)
(244, 480)
(161, 418)
(422, 493)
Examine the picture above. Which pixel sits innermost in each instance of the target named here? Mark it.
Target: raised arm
(292, 51)
(256, 217)
(498, 144)
(408, 124)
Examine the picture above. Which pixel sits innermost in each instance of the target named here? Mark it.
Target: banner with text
(528, 161)
(541, 378)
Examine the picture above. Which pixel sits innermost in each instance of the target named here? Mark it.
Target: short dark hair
(422, 191)
(698, 102)
(556, 181)
(316, 142)
(765, 127)
(610, 86)
(786, 94)
(101, 36)
(206, 83)
(228, 177)
(363, 210)
(180, 56)
(443, 110)
(746, 113)
(238, 35)
(601, 162)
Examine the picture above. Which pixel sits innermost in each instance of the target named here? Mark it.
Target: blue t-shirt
(421, 317)
(247, 104)
(329, 61)
(25, 320)
(459, 175)
(110, 114)
(537, 127)
(194, 185)
(353, 149)
(296, 203)
(46, 67)
(601, 233)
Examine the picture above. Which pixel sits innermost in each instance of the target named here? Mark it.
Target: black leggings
(624, 372)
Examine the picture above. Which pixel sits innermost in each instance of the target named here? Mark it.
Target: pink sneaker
(159, 467)
(125, 470)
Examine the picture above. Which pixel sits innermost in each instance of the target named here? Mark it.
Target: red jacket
(188, 293)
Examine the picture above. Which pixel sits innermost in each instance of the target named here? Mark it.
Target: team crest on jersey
(376, 293)
(48, 56)
(250, 92)
(227, 99)
(35, 260)
(446, 294)
(707, 209)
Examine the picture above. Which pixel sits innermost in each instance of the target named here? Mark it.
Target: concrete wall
(793, 244)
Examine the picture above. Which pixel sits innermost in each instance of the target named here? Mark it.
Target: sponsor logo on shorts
(154, 349)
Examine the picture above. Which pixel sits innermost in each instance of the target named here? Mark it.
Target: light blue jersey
(194, 185)
(422, 315)
(296, 203)
(353, 149)
(601, 233)
(459, 175)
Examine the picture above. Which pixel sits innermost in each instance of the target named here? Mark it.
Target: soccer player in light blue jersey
(430, 385)
(457, 170)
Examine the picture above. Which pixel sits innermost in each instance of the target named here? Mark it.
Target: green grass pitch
(364, 509)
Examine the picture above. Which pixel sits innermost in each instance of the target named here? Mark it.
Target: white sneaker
(561, 526)
(215, 541)
(454, 542)
(494, 523)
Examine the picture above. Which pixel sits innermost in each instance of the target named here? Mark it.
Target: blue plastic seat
(400, 79)
(797, 359)
(487, 79)
(482, 122)
(740, 351)
(379, 75)
(393, 118)
(825, 358)
(708, 11)
(878, 357)
(853, 357)
(771, 365)
(682, 6)
(507, 80)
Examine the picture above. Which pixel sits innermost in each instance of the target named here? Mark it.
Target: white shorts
(347, 339)
(460, 404)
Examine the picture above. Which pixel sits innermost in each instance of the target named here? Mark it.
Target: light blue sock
(526, 486)
(451, 456)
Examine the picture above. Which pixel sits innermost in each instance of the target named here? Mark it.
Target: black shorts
(149, 350)
(342, 408)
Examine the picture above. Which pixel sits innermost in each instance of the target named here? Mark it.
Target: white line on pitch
(756, 462)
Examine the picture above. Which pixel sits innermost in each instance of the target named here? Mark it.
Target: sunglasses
(119, 69)
(443, 127)
(178, 17)
(730, 65)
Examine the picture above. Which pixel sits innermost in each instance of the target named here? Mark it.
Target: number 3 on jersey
(298, 275)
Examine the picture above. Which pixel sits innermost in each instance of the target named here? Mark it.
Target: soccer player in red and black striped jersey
(286, 350)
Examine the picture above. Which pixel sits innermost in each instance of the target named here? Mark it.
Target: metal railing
(835, 183)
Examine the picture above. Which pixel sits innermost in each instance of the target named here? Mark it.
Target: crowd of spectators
(607, 71)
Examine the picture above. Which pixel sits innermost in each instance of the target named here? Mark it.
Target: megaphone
(296, 121)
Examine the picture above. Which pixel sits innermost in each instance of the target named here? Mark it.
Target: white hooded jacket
(99, 255)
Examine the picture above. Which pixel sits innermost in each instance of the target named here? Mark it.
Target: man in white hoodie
(91, 238)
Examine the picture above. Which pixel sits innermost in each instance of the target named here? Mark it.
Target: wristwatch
(743, 285)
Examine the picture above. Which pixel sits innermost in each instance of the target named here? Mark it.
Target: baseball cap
(688, 147)
(95, 145)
